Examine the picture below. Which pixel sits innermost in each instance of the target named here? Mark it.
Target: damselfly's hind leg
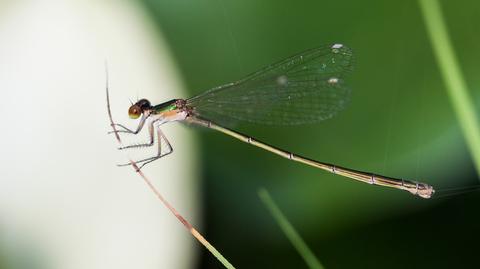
(159, 155)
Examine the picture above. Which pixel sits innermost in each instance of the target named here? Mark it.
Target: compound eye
(134, 112)
(143, 103)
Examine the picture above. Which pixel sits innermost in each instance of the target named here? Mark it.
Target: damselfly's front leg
(149, 144)
(127, 130)
(146, 161)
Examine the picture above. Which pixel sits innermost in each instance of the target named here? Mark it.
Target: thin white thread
(229, 26)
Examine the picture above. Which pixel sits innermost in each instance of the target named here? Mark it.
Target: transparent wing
(304, 88)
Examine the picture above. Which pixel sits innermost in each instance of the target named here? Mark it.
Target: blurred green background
(399, 123)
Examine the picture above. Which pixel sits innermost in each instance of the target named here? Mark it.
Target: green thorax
(164, 107)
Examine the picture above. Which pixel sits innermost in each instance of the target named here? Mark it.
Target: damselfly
(306, 88)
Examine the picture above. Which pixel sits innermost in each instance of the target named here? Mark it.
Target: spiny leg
(146, 161)
(149, 144)
(170, 150)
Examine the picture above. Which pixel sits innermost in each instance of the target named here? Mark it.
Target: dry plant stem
(287, 228)
(185, 223)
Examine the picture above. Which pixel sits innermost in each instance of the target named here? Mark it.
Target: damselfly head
(138, 108)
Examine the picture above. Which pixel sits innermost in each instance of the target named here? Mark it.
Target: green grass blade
(289, 231)
(452, 76)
